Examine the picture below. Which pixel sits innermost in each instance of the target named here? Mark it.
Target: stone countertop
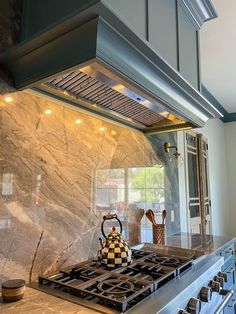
(205, 243)
(37, 302)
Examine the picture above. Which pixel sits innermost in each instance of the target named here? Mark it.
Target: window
(127, 190)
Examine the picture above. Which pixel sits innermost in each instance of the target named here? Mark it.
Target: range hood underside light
(103, 67)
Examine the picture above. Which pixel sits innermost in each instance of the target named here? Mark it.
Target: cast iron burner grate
(158, 275)
(180, 264)
(113, 290)
(119, 288)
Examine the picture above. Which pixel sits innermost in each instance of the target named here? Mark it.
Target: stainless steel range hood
(95, 62)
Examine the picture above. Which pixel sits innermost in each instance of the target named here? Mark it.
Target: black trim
(229, 117)
(214, 101)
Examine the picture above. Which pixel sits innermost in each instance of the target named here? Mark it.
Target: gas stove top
(119, 289)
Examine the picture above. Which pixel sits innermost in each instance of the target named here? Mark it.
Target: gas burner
(137, 254)
(172, 262)
(157, 274)
(119, 288)
(180, 264)
(115, 287)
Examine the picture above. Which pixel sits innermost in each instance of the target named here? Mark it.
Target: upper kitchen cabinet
(153, 20)
(133, 13)
(162, 29)
(188, 49)
(38, 15)
(171, 29)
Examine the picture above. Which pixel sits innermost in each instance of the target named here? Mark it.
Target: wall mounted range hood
(95, 62)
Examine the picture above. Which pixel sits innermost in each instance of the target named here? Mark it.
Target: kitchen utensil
(163, 216)
(150, 216)
(159, 234)
(114, 251)
(13, 290)
(134, 217)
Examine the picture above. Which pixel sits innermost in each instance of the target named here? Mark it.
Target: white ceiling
(218, 54)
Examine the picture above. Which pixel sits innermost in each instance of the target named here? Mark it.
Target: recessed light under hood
(95, 62)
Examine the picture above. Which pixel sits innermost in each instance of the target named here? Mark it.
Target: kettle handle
(109, 217)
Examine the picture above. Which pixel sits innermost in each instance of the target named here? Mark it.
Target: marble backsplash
(49, 161)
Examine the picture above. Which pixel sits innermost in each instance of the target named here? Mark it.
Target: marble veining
(49, 155)
(37, 302)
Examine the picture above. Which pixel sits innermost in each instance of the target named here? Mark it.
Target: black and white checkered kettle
(114, 251)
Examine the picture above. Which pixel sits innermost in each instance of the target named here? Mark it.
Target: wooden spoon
(163, 216)
(150, 216)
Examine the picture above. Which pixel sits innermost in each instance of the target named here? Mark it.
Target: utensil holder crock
(159, 234)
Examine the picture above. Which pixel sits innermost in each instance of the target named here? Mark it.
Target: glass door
(204, 186)
(193, 190)
(198, 194)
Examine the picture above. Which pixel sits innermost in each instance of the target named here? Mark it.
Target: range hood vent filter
(82, 86)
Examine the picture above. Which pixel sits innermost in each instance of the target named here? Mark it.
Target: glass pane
(207, 209)
(103, 197)
(191, 140)
(155, 177)
(136, 178)
(102, 177)
(192, 175)
(137, 196)
(194, 211)
(117, 178)
(206, 178)
(154, 196)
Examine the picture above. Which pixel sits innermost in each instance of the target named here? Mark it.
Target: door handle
(228, 295)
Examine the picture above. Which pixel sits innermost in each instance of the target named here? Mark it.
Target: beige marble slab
(36, 302)
(50, 208)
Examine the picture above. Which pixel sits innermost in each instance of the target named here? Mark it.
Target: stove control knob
(220, 280)
(215, 286)
(205, 294)
(194, 306)
(182, 312)
(224, 275)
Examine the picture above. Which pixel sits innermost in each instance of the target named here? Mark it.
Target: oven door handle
(228, 295)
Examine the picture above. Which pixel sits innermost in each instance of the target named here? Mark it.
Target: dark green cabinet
(163, 29)
(188, 49)
(163, 23)
(133, 13)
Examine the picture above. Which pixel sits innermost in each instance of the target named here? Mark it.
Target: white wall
(214, 131)
(230, 139)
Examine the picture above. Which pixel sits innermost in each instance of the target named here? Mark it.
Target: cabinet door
(163, 29)
(188, 49)
(133, 13)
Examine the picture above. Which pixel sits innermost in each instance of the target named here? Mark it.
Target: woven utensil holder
(159, 234)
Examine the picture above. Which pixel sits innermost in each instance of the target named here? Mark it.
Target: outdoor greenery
(150, 182)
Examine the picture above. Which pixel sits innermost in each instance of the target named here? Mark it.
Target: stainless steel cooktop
(118, 289)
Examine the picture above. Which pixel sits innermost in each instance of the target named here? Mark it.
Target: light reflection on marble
(47, 165)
